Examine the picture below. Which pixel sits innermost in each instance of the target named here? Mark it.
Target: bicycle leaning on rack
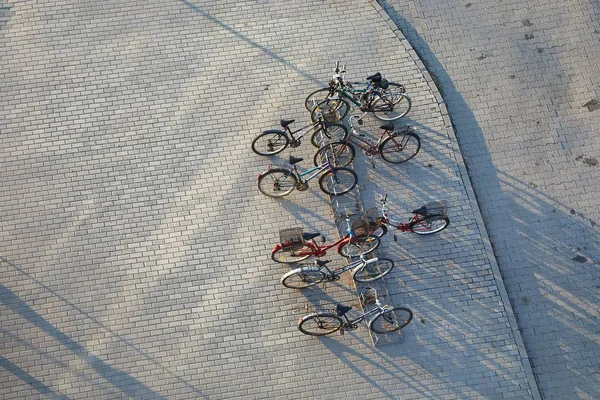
(275, 141)
(426, 220)
(387, 101)
(382, 319)
(279, 182)
(363, 270)
(394, 146)
(295, 245)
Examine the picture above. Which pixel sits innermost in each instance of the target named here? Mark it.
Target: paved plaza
(522, 83)
(134, 253)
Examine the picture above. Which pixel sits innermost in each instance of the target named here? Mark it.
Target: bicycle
(394, 146)
(387, 101)
(363, 270)
(275, 141)
(428, 219)
(295, 245)
(382, 319)
(279, 182)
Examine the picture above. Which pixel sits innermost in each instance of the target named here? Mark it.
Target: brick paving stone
(135, 249)
(516, 78)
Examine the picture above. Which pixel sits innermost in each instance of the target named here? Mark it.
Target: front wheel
(391, 320)
(315, 98)
(269, 143)
(373, 271)
(331, 133)
(429, 224)
(380, 231)
(398, 148)
(277, 182)
(391, 106)
(331, 110)
(355, 248)
(339, 154)
(291, 255)
(301, 278)
(338, 181)
(320, 324)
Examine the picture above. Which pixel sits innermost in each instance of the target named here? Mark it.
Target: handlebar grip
(337, 66)
(384, 198)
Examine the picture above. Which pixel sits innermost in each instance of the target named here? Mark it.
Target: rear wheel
(398, 148)
(269, 143)
(291, 255)
(339, 154)
(374, 270)
(429, 224)
(302, 278)
(390, 106)
(338, 181)
(277, 182)
(391, 320)
(320, 324)
(355, 248)
(331, 110)
(331, 133)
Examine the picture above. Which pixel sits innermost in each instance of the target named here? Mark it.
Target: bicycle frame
(378, 310)
(339, 271)
(320, 168)
(305, 129)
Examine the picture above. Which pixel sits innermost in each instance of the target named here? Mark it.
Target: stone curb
(470, 194)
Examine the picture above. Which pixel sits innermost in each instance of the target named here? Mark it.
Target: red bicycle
(296, 245)
(428, 219)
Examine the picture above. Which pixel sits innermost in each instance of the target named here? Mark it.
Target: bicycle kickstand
(373, 161)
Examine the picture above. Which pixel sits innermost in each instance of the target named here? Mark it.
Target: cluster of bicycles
(387, 101)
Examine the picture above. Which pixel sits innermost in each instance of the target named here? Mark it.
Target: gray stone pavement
(135, 245)
(522, 82)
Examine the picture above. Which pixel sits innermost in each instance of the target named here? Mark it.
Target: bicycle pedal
(395, 237)
(342, 332)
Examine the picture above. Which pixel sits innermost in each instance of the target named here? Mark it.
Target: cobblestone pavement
(522, 83)
(134, 253)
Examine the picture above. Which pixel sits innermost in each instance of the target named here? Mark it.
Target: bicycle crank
(294, 143)
(302, 186)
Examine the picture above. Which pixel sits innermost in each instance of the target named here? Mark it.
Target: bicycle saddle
(375, 77)
(421, 211)
(384, 84)
(294, 160)
(308, 236)
(286, 122)
(387, 127)
(341, 309)
(321, 263)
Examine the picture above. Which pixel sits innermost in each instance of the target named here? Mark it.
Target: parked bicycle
(382, 319)
(295, 245)
(427, 219)
(394, 146)
(279, 182)
(275, 141)
(363, 270)
(387, 101)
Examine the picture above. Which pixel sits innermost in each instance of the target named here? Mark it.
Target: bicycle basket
(360, 227)
(291, 238)
(436, 208)
(371, 215)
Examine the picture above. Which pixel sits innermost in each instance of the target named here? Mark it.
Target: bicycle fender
(274, 131)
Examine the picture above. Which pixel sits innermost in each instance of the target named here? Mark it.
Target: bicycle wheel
(399, 148)
(373, 271)
(391, 106)
(380, 231)
(355, 248)
(395, 91)
(320, 324)
(315, 98)
(339, 154)
(338, 181)
(269, 143)
(301, 278)
(331, 110)
(391, 320)
(429, 224)
(277, 182)
(289, 256)
(331, 133)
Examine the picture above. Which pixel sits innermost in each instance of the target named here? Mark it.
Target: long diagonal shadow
(251, 42)
(123, 381)
(30, 380)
